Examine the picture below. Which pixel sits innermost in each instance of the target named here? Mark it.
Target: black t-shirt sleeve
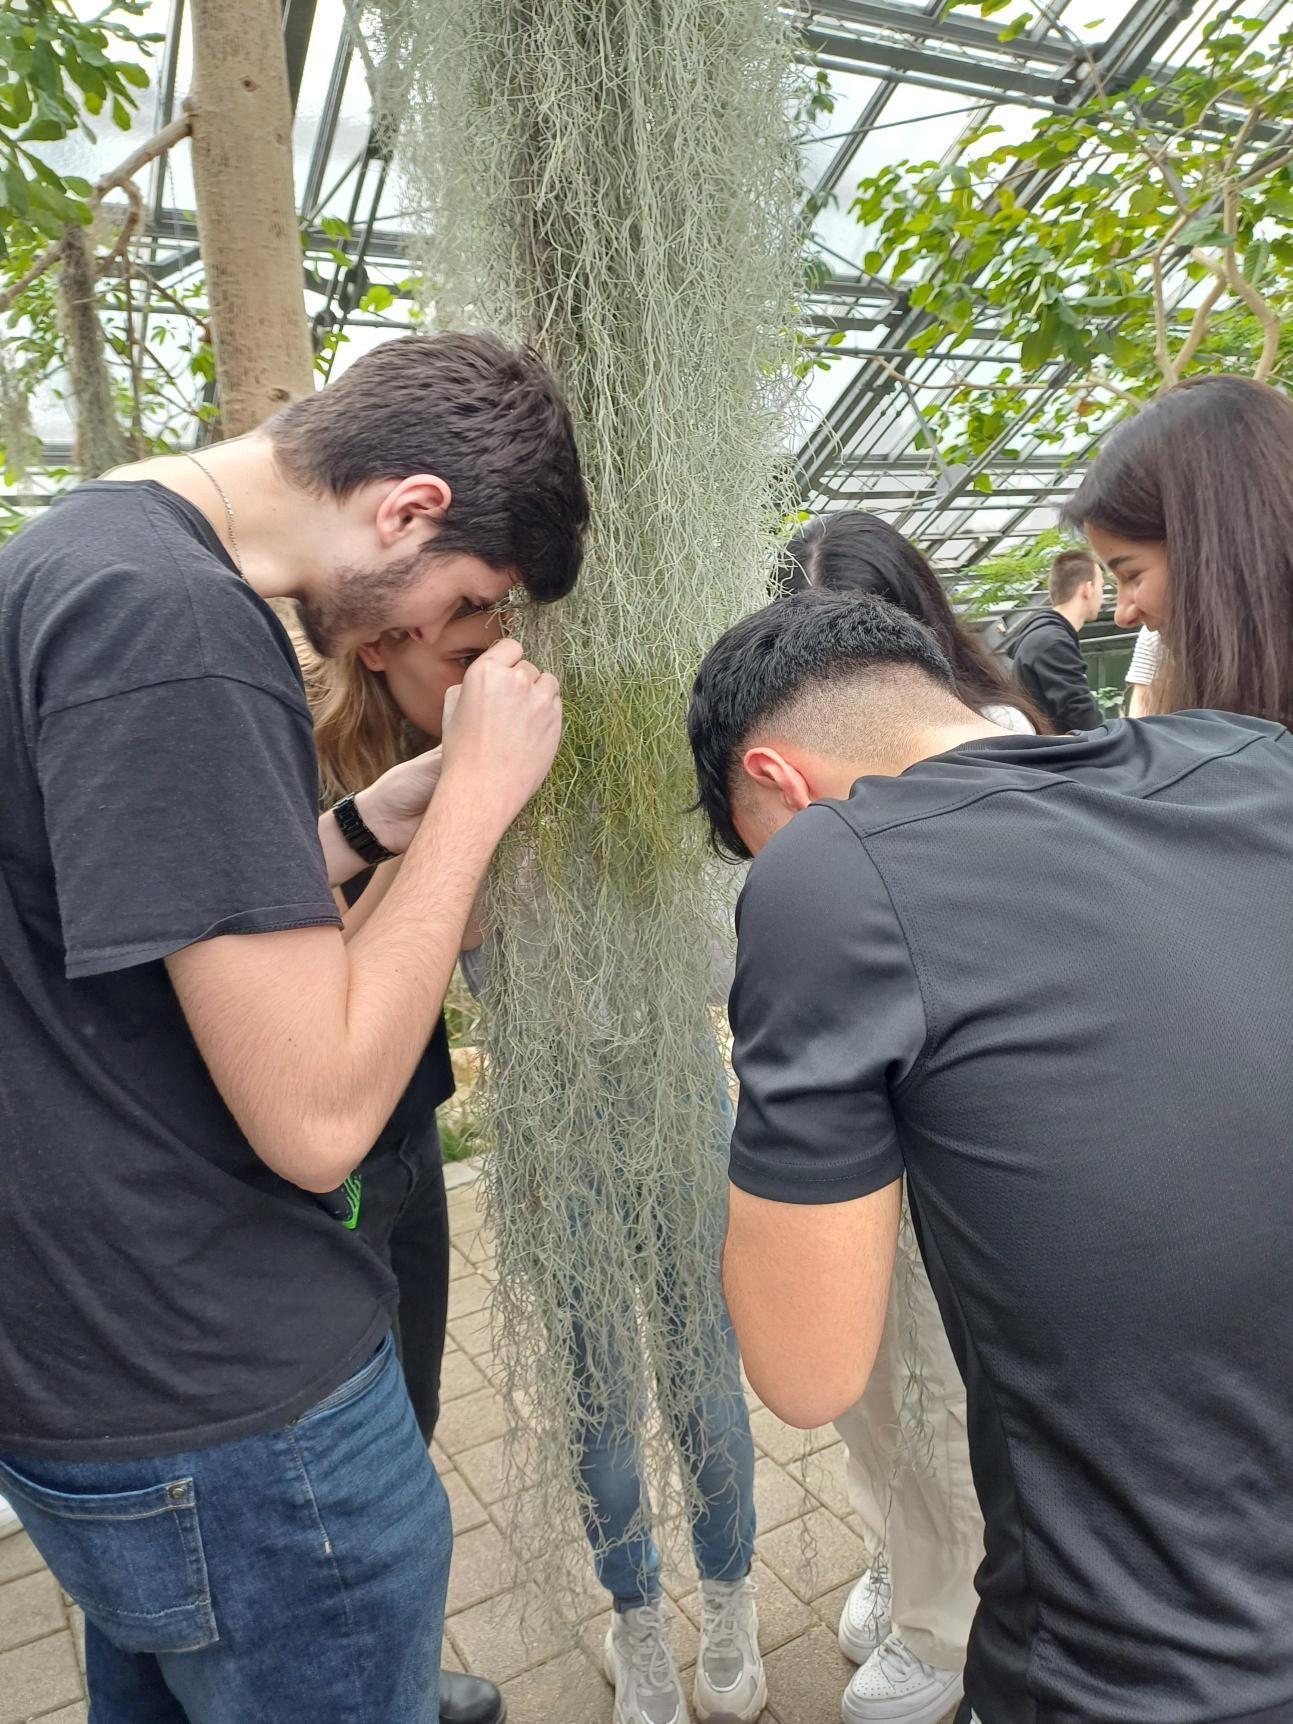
(826, 1016)
(176, 812)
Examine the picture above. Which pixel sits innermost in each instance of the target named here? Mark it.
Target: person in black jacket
(1047, 658)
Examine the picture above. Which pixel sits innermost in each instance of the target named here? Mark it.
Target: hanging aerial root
(616, 184)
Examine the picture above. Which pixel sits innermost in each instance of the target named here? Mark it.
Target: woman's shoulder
(1010, 718)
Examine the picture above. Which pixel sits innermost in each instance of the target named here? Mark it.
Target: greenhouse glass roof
(908, 83)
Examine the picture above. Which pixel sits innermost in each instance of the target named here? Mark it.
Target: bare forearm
(1141, 703)
(312, 1039)
(341, 861)
(807, 1287)
(356, 915)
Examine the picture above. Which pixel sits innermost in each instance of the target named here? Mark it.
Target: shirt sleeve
(826, 1016)
(1145, 659)
(179, 811)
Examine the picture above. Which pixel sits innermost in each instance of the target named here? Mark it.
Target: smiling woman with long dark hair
(1190, 507)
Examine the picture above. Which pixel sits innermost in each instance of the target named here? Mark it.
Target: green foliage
(1126, 243)
(55, 70)
(1011, 577)
(618, 185)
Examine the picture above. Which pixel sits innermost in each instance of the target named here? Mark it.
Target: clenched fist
(501, 730)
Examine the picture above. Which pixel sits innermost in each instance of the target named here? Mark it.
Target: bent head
(419, 669)
(450, 466)
(857, 554)
(799, 701)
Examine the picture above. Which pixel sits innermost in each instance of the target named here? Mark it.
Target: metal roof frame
(845, 459)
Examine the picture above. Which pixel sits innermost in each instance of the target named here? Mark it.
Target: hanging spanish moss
(614, 182)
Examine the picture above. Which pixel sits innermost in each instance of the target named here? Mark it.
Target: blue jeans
(716, 1447)
(292, 1578)
(713, 1438)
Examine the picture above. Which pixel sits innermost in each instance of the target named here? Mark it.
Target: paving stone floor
(809, 1554)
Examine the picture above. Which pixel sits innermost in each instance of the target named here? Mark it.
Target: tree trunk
(246, 209)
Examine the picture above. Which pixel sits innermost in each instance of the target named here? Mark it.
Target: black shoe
(469, 1700)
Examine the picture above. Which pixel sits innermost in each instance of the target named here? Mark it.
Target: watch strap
(358, 835)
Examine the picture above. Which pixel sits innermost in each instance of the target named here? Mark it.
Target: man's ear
(410, 506)
(772, 771)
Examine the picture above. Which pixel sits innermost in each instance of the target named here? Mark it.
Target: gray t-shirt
(932, 979)
(160, 1288)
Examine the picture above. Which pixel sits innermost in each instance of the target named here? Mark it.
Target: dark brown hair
(1069, 571)
(486, 418)
(1207, 471)
(855, 553)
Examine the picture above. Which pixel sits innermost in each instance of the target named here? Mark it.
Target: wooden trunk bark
(246, 209)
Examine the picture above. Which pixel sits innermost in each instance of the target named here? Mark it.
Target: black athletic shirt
(160, 1288)
(1051, 980)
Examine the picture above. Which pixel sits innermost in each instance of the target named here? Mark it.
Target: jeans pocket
(132, 1560)
(353, 1387)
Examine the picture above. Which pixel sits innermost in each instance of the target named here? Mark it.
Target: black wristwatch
(356, 833)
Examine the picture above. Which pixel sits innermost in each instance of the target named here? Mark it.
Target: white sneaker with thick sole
(9, 1521)
(896, 1687)
(864, 1620)
(731, 1687)
(640, 1665)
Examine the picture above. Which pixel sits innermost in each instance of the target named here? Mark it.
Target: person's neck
(1073, 611)
(925, 744)
(273, 525)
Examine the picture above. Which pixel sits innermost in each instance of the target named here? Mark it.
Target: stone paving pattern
(809, 1554)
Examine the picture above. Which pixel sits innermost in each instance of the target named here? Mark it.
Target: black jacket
(1048, 662)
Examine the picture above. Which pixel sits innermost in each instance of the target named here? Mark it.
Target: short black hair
(765, 660)
(488, 419)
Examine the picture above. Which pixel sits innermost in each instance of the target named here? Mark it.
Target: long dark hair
(1207, 471)
(856, 553)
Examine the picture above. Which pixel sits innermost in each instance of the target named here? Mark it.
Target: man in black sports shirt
(1100, 1178)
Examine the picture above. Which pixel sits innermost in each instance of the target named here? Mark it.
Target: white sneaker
(9, 1521)
(895, 1687)
(731, 1687)
(641, 1667)
(864, 1620)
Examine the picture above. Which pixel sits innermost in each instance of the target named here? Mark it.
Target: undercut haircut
(1069, 571)
(811, 650)
(486, 418)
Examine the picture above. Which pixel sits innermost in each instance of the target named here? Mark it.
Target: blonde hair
(359, 732)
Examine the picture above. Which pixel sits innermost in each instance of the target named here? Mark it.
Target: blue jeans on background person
(713, 1438)
(293, 1578)
(714, 1444)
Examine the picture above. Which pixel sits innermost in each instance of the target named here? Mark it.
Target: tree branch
(1265, 172)
(148, 151)
(1162, 358)
(1194, 336)
(1229, 272)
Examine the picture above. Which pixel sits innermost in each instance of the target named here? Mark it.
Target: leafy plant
(1126, 243)
(56, 74)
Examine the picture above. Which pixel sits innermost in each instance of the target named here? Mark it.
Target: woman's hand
(392, 807)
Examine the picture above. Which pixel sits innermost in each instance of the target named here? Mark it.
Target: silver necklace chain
(228, 509)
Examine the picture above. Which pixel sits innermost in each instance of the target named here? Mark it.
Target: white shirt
(1146, 658)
